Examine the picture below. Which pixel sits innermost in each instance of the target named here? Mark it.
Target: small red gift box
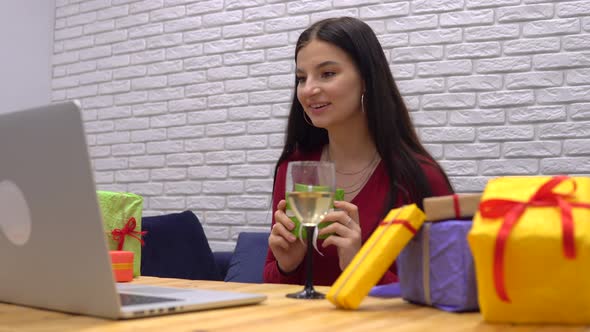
(122, 263)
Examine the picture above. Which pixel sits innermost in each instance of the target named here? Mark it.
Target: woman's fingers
(338, 241)
(281, 217)
(282, 205)
(351, 209)
(287, 249)
(280, 234)
(345, 214)
(352, 232)
(280, 231)
(342, 224)
(275, 238)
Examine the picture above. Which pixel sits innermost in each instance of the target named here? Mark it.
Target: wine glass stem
(308, 259)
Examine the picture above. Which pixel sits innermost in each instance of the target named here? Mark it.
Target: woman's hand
(287, 249)
(346, 231)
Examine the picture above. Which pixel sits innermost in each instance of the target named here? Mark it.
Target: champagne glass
(310, 190)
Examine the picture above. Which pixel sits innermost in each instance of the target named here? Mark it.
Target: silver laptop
(53, 251)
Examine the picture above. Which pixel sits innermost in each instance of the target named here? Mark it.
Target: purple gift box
(436, 267)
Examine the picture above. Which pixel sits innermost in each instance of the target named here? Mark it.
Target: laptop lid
(53, 251)
(52, 248)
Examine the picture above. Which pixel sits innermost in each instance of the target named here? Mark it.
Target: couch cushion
(222, 259)
(247, 262)
(176, 247)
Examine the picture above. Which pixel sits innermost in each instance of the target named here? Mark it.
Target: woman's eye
(300, 79)
(328, 74)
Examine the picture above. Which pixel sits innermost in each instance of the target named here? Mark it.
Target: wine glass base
(307, 294)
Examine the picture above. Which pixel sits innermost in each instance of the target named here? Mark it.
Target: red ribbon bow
(512, 210)
(128, 229)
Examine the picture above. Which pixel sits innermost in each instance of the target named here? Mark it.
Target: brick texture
(185, 102)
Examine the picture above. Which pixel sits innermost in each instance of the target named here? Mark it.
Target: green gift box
(121, 219)
(338, 196)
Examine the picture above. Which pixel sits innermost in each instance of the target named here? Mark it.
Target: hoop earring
(306, 117)
(363, 103)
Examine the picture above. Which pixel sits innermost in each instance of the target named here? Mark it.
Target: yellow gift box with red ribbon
(531, 245)
(375, 256)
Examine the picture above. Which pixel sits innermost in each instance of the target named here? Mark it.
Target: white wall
(186, 101)
(26, 36)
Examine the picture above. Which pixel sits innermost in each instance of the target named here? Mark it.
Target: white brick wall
(185, 102)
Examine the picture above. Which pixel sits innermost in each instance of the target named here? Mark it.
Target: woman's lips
(318, 107)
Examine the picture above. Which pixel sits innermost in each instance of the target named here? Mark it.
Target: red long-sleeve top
(370, 202)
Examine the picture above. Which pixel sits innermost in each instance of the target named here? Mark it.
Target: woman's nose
(311, 89)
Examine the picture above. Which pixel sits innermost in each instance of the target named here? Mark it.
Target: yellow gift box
(375, 256)
(531, 245)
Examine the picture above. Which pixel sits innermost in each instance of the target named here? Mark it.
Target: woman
(348, 110)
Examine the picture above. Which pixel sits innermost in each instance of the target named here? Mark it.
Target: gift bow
(402, 222)
(512, 210)
(128, 229)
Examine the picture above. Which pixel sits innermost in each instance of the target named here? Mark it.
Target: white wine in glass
(310, 190)
(310, 207)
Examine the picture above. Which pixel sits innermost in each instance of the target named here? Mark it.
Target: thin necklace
(355, 184)
(362, 177)
(364, 181)
(360, 186)
(356, 172)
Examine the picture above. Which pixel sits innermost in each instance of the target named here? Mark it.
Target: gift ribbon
(127, 230)
(402, 222)
(122, 266)
(456, 206)
(426, 262)
(512, 210)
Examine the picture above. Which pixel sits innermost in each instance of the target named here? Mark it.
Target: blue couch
(176, 247)
(246, 262)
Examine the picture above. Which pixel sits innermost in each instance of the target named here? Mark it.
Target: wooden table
(277, 314)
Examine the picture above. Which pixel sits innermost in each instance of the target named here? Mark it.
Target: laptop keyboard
(132, 299)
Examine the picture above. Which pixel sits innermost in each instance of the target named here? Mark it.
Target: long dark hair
(388, 119)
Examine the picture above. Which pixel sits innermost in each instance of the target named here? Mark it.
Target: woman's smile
(318, 108)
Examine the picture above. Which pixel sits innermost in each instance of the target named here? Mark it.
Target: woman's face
(329, 86)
